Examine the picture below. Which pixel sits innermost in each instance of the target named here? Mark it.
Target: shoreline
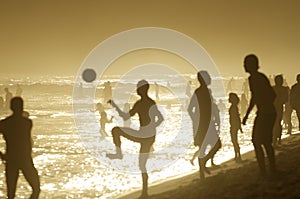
(175, 186)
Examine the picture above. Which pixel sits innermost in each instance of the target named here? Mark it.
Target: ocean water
(71, 165)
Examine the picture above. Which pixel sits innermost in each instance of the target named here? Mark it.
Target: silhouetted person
(287, 114)
(295, 98)
(235, 124)
(8, 97)
(16, 130)
(103, 118)
(149, 117)
(221, 106)
(263, 96)
(200, 112)
(1, 104)
(126, 109)
(281, 98)
(243, 104)
(19, 91)
(107, 90)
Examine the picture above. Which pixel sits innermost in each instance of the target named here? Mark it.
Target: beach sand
(238, 180)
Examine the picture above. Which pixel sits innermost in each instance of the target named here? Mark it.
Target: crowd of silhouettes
(274, 105)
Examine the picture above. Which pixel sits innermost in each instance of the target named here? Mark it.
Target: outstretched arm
(156, 116)
(124, 115)
(251, 105)
(159, 117)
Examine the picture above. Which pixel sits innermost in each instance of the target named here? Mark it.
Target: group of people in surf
(202, 109)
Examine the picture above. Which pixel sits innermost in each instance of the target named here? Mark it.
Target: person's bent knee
(115, 131)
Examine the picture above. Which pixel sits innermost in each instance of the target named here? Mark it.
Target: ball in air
(89, 75)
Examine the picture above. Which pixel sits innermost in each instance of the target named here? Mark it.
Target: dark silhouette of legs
(11, 174)
(202, 161)
(271, 156)
(146, 145)
(277, 130)
(260, 157)
(236, 146)
(31, 175)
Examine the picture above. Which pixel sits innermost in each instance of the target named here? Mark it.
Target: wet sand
(237, 180)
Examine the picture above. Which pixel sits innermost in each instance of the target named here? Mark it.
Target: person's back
(17, 137)
(262, 92)
(16, 130)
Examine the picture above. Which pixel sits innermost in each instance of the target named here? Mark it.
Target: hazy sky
(53, 37)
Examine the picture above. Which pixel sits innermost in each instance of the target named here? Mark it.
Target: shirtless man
(149, 117)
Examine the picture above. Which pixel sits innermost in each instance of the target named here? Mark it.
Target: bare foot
(192, 162)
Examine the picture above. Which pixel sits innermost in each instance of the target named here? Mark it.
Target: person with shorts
(150, 117)
(263, 97)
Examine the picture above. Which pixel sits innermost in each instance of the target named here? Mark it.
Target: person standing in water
(235, 124)
(150, 117)
(8, 97)
(16, 130)
(19, 91)
(263, 97)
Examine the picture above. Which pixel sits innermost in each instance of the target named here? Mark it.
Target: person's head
(278, 80)
(233, 98)
(251, 63)
(6, 90)
(16, 105)
(298, 78)
(204, 78)
(142, 87)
